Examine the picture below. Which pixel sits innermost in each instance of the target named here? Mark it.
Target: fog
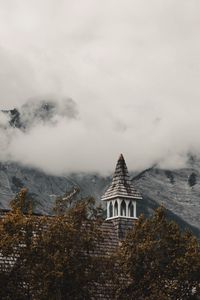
(123, 77)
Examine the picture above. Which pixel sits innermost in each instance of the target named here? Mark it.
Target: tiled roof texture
(110, 240)
(113, 232)
(121, 185)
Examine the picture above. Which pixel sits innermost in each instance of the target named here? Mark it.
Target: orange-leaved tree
(43, 257)
(158, 261)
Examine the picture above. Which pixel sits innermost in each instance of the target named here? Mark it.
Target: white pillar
(127, 202)
(135, 209)
(113, 203)
(108, 209)
(119, 201)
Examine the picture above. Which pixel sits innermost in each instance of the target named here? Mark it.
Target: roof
(121, 185)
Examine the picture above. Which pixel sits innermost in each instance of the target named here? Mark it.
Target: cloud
(131, 66)
(46, 112)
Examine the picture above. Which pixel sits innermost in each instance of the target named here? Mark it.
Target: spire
(121, 185)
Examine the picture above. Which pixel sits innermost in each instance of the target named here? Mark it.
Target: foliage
(158, 261)
(63, 203)
(21, 202)
(56, 258)
(52, 255)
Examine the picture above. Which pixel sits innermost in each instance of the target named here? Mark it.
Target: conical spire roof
(121, 185)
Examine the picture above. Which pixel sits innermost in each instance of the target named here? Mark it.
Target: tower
(121, 196)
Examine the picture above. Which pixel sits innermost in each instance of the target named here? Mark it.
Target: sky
(129, 70)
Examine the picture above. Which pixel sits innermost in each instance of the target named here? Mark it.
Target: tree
(49, 257)
(158, 261)
(55, 258)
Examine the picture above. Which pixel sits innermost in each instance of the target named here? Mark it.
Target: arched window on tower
(116, 209)
(110, 210)
(123, 208)
(130, 210)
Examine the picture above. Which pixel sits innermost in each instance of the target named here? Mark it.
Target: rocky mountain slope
(177, 190)
(43, 188)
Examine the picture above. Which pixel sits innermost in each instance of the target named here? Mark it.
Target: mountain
(43, 111)
(178, 190)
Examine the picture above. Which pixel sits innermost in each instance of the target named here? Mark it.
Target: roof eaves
(120, 195)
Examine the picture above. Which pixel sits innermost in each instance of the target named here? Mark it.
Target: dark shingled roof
(121, 185)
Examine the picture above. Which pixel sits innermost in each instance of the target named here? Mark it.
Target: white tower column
(119, 201)
(135, 209)
(127, 202)
(108, 209)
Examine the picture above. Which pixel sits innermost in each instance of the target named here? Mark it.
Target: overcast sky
(132, 68)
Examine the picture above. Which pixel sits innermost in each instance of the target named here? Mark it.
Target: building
(121, 205)
(121, 199)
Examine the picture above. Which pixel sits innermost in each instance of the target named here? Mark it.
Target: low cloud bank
(56, 137)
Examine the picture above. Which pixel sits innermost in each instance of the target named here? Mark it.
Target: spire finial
(121, 156)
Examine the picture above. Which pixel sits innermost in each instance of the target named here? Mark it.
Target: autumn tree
(55, 258)
(49, 257)
(158, 261)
